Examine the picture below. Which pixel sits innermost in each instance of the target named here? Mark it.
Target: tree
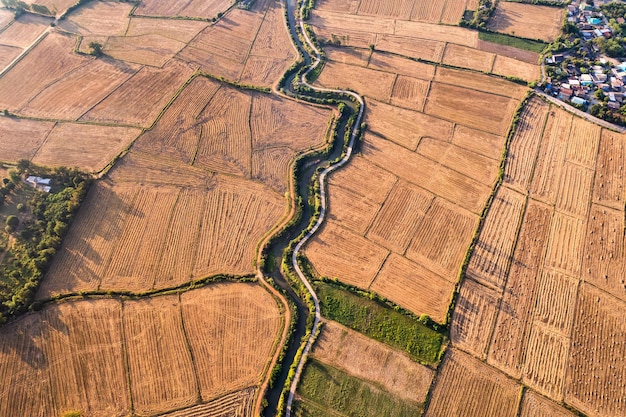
(12, 222)
(96, 48)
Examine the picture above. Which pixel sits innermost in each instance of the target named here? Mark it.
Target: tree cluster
(36, 241)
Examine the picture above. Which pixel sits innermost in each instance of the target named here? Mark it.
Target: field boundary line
(25, 52)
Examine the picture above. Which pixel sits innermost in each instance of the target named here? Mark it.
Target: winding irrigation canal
(349, 99)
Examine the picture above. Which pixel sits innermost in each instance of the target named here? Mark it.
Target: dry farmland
(373, 361)
(554, 256)
(23, 31)
(385, 25)
(50, 357)
(185, 203)
(403, 213)
(194, 8)
(246, 46)
(85, 146)
(21, 138)
(465, 386)
(527, 20)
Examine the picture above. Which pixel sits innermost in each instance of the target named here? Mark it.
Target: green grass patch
(328, 391)
(380, 322)
(526, 44)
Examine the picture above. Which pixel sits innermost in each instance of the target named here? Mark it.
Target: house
(613, 105)
(565, 93)
(586, 80)
(42, 184)
(579, 101)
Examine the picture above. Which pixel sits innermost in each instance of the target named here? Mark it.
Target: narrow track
(317, 61)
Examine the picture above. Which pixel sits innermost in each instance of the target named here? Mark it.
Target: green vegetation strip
(520, 43)
(328, 391)
(380, 322)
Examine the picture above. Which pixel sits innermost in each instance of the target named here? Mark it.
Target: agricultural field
(194, 8)
(386, 27)
(547, 269)
(527, 20)
(251, 47)
(466, 386)
(185, 186)
(48, 356)
(364, 358)
(24, 31)
(419, 182)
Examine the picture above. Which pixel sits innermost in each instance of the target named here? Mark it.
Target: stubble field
(553, 272)
(50, 357)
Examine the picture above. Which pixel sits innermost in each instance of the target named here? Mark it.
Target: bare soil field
(236, 404)
(194, 8)
(23, 31)
(21, 138)
(596, 375)
(527, 20)
(466, 386)
(467, 162)
(428, 11)
(371, 360)
(429, 50)
(8, 54)
(180, 30)
(156, 87)
(229, 360)
(6, 17)
(88, 147)
(346, 6)
(140, 348)
(120, 245)
(80, 90)
(392, 63)
(398, 8)
(453, 11)
(482, 143)
(534, 405)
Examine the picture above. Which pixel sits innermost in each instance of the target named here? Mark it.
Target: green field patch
(380, 322)
(327, 391)
(520, 43)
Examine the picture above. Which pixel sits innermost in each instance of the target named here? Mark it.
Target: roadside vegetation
(35, 222)
(325, 389)
(377, 320)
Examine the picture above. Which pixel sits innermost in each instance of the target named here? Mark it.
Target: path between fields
(320, 220)
(25, 51)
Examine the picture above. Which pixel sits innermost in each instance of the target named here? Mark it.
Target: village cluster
(584, 68)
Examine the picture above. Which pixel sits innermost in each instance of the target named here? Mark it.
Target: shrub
(12, 222)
